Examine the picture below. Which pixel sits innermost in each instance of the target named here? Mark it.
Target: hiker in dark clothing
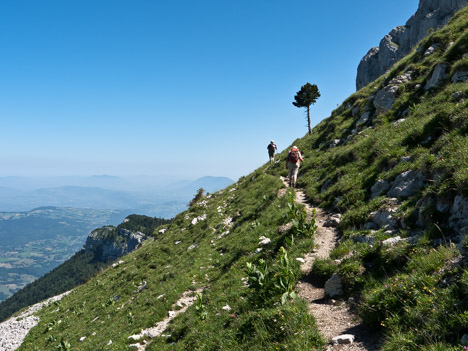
(271, 151)
(293, 162)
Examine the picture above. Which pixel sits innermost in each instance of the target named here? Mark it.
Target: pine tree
(305, 97)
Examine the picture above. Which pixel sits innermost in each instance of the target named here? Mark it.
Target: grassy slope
(415, 293)
(216, 264)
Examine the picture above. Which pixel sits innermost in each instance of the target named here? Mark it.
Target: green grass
(217, 264)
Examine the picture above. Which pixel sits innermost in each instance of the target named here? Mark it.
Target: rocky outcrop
(431, 14)
(379, 187)
(438, 76)
(386, 96)
(460, 76)
(459, 213)
(109, 243)
(406, 184)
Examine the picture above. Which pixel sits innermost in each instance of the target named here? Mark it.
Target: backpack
(293, 155)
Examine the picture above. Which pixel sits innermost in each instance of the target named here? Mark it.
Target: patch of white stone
(187, 299)
(343, 339)
(198, 219)
(14, 330)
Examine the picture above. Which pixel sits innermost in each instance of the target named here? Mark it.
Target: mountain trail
(333, 319)
(187, 299)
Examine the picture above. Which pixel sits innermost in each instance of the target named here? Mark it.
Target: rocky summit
(431, 15)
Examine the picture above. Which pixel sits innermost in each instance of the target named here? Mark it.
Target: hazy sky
(185, 88)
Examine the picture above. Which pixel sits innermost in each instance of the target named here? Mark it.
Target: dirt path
(333, 319)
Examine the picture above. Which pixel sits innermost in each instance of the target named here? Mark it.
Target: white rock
(135, 337)
(398, 122)
(343, 339)
(191, 247)
(226, 308)
(392, 241)
(162, 231)
(300, 259)
(264, 241)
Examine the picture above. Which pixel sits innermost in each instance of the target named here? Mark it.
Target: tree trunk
(308, 120)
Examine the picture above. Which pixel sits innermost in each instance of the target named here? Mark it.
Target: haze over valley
(45, 220)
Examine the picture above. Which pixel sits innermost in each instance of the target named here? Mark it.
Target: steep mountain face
(112, 243)
(390, 165)
(431, 14)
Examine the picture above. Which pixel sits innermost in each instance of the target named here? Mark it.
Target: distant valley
(34, 242)
(43, 225)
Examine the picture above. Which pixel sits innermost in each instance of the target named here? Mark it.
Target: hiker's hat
(271, 141)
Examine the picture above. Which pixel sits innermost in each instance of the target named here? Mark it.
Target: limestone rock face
(109, 243)
(399, 42)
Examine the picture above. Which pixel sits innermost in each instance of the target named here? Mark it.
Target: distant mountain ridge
(103, 192)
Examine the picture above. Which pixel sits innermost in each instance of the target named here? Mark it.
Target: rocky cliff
(431, 14)
(111, 243)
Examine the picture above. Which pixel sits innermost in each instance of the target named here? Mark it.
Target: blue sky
(172, 88)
